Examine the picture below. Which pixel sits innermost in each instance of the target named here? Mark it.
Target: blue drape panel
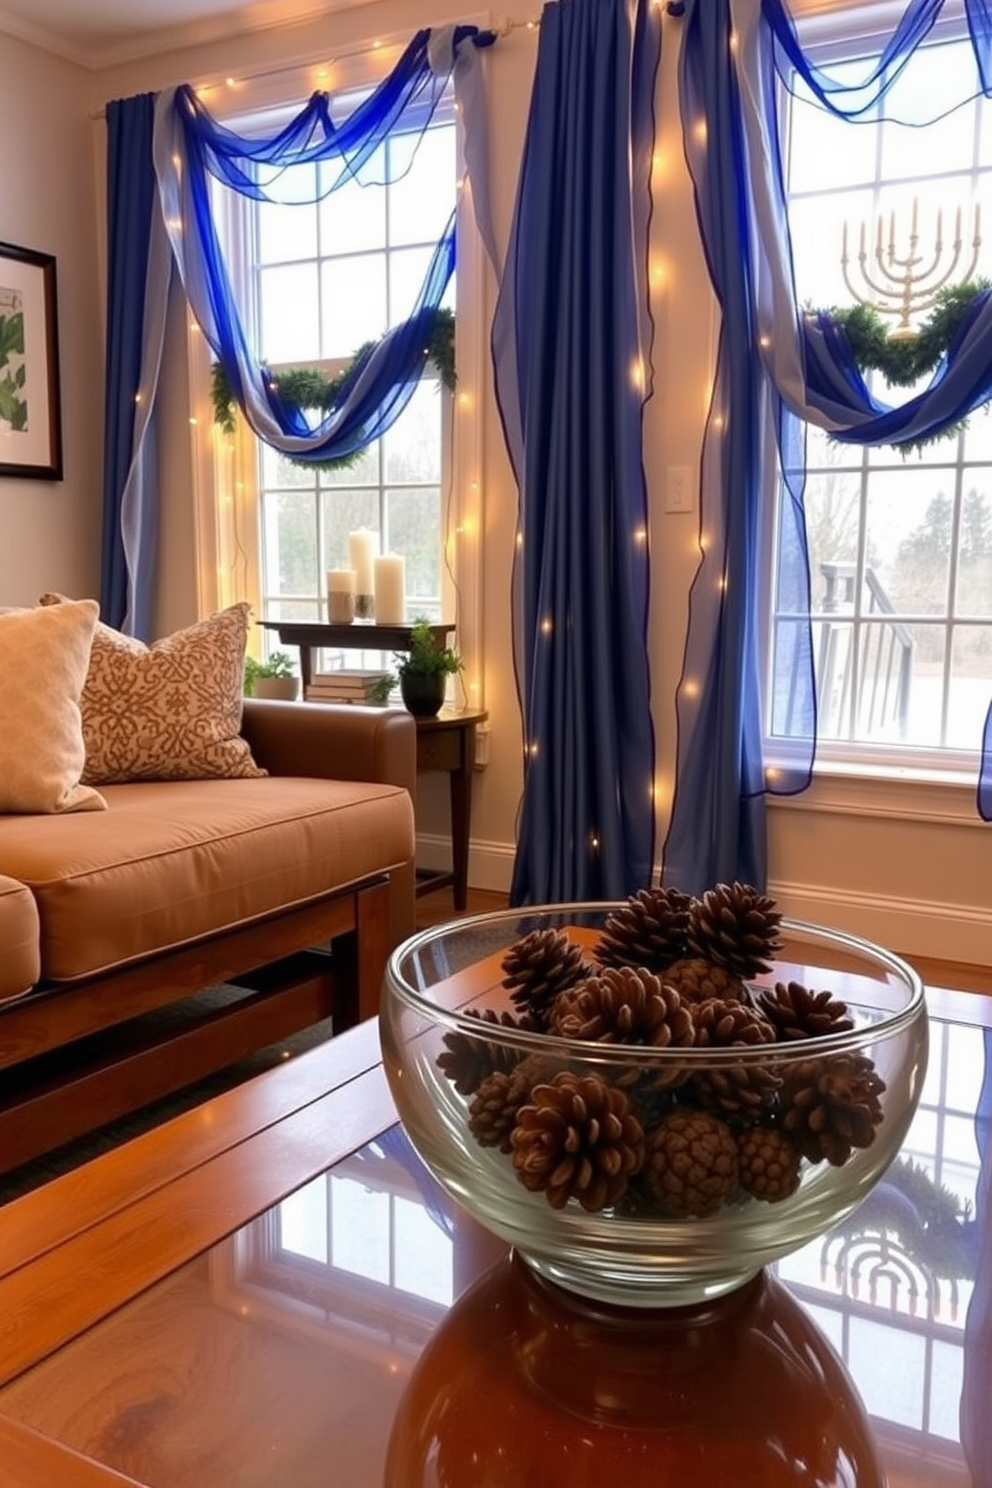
(776, 367)
(570, 348)
(131, 202)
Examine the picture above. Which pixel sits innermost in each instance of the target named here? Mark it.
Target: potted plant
(273, 678)
(423, 669)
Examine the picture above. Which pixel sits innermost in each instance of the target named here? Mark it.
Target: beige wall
(906, 862)
(50, 530)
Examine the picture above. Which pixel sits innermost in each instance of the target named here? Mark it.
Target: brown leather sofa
(292, 888)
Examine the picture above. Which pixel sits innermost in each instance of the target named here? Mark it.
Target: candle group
(373, 586)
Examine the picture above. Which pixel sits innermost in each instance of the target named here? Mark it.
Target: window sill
(907, 792)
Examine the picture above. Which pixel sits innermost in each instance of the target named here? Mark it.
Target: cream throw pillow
(44, 656)
(170, 711)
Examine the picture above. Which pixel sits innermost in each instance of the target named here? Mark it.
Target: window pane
(412, 446)
(346, 510)
(289, 319)
(407, 269)
(971, 685)
(354, 300)
(909, 526)
(279, 470)
(421, 201)
(364, 472)
(290, 545)
(825, 151)
(974, 579)
(414, 529)
(352, 217)
(287, 232)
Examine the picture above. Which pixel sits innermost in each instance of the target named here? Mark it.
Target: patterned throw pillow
(169, 711)
(43, 660)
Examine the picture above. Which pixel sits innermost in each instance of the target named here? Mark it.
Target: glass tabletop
(298, 1350)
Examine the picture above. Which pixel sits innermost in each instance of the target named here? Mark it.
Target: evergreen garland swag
(306, 387)
(903, 360)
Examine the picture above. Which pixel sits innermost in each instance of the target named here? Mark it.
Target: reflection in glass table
(282, 1355)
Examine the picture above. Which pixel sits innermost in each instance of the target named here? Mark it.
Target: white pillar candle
(390, 589)
(341, 595)
(361, 553)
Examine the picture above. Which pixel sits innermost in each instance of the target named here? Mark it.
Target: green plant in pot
(424, 669)
(272, 678)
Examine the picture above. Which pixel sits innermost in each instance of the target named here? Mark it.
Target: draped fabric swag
(571, 341)
(183, 150)
(777, 369)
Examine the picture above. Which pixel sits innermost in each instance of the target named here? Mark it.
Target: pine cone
(577, 1138)
(798, 1013)
(768, 1163)
(649, 930)
(691, 1163)
(627, 1005)
(738, 1091)
(492, 1112)
(539, 966)
(735, 926)
(831, 1105)
(695, 980)
(467, 1060)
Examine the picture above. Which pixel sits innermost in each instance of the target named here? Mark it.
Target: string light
(640, 535)
(637, 373)
(547, 625)
(594, 841)
(699, 131)
(690, 688)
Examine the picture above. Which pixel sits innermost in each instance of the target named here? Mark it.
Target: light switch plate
(680, 489)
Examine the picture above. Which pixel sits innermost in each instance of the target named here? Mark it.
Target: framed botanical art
(30, 403)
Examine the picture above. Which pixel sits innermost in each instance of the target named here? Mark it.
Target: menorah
(898, 285)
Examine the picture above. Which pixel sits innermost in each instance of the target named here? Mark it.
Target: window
(317, 281)
(900, 545)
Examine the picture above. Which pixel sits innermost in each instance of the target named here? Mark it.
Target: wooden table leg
(461, 816)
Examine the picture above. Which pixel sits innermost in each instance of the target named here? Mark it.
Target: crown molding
(257, 18)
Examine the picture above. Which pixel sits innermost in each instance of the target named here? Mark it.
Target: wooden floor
(433, 909)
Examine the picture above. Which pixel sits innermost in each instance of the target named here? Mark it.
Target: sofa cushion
(168, 864)
(20, 961)
(44, 656)
(169, 711)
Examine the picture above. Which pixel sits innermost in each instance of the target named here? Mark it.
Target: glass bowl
(646, 1175)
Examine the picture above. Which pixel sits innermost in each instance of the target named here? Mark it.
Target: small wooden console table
(445, 743)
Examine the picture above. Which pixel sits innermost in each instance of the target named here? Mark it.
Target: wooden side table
(447, 742)
(444, 743)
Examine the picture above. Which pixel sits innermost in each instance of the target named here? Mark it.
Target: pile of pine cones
(669, 971)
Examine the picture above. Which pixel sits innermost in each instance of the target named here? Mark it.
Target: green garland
(903, 360)
(306, 388)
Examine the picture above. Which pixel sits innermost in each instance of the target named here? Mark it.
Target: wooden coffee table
(241, 1297)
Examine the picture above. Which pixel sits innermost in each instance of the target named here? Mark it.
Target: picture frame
(30, 395)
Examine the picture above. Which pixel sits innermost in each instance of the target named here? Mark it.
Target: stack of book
(347, 685)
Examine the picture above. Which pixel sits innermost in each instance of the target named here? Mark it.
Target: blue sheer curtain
(571, 340)
(191, 150)
(777, 369)
(137, 295)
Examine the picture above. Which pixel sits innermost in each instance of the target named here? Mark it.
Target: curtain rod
(394, 39)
